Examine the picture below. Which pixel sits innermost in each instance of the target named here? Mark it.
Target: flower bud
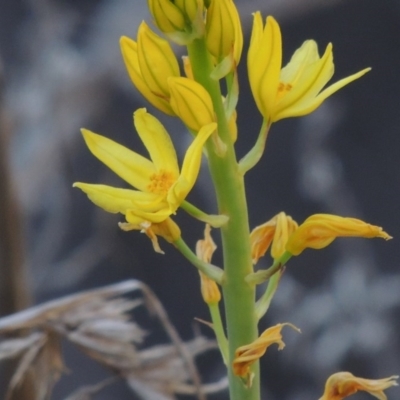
(181, 20)
(129, 49)
(167, 16)
(223, 30)
(157, 61)
(191, 103)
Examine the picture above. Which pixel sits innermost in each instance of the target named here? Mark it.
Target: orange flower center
(283, 88)
(160, 182)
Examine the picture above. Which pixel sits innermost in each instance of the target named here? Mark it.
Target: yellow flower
(296, 89)
(246, 355)
(276, 231)
(161, 188)
(150, 62)
(320, 230)
(181, 20)
(191, 102)
(223, 30)
(204, 251)
(343, 384)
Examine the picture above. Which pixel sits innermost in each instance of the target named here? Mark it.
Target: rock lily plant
(212, 34)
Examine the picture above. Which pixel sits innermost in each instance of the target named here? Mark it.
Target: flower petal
(264, 63)
(311, 79)
(130, 55)
(157, 142)
(130, 166)
(138, 216)
(113, 200)
(157, 60)
(304, 56)
(190, 167)
(319, 230)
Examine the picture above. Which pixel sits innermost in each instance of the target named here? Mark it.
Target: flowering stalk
(160, 187)
(239, 297)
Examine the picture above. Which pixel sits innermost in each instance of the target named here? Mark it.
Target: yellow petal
(264, 63)
(311, 78)
(110, 199)
(261, 238)
(285, 226)
(344, 384)
(167, 16)
(157, 61)
(220, 28)
(319, 230)
(191, 102)
(276, 231)
(157, 141)
(130, 56)
(190, 167)
(246, 355)
(137, 216)
(130, 166)
(303, 57)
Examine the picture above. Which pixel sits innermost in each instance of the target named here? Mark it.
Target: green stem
(264, 301)
(239, 296)
(219, 331)
(262, 275)
(254, 155)
(213, 272)
(216, 221)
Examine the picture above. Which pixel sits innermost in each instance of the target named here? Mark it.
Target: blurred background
(61, 70)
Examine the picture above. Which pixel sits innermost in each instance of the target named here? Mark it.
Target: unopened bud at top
(181, 20)
(223, 30)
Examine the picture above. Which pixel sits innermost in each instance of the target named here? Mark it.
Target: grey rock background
(62, 70)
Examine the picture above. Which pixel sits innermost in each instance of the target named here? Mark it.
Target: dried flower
(204, 251)
(343, 384)
(320, 230)
(246, 355)
(276, 231)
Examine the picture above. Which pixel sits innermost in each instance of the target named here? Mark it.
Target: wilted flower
(320, 230)
(343, 384)
(204, 251)
(246, 355)
(296, 89)
(276, 231)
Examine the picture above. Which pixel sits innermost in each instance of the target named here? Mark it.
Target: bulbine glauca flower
(276, 231)
(320, 230)
(223, 30)
(343, 384)
(246, 355)
(161, 187)
(191, 102)
(150, 62)
(181, 20)
(296, 89)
